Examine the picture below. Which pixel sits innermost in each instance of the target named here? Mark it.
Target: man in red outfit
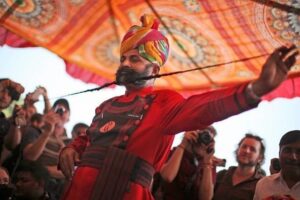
(131, 135)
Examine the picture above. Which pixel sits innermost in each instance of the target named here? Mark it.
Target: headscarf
(150, 43)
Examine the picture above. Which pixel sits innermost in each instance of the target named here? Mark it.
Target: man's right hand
(67, 159)
(50, 119)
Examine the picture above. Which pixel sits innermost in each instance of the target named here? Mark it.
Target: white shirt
(275, 185)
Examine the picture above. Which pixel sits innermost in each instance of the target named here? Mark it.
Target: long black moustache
(126, 75)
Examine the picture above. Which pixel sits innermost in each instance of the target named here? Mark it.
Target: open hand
(275, 70)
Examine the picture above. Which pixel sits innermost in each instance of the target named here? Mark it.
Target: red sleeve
(199, 111)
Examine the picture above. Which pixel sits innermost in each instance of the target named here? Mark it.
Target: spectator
(4, 176)
(284, 185)
(6, 188)
(44, 144)
(9, 91)
(35, 125)
(79, 129)
(10, 128)
(30, 181)
(190, 171)
(239, 182)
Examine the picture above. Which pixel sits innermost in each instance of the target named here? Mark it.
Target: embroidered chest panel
(115, 121)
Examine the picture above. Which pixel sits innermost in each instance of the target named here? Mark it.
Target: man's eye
(122, 59)
(134, 58)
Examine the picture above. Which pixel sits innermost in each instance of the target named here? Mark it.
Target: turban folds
(150, 43)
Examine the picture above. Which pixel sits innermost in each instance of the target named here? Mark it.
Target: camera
(204, 137)
(60, 110)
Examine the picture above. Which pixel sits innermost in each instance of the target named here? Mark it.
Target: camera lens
(60, 111)
(204, 137)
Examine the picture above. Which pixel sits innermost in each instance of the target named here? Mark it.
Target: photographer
(43, 144)
(190, 171)
(10, 128)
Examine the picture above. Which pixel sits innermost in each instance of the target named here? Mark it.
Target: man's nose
(125, 63)
(247, 150)
(294, 155)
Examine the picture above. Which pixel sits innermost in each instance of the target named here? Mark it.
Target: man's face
(5, 98)
(289, 156)
(27, 186)
(63, 113)
(132, 67)
(81, 131)
(248, 153)
(38, 124)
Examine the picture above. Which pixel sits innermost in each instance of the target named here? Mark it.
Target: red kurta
(168, 114)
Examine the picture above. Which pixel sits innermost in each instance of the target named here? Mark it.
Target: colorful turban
(150, 43)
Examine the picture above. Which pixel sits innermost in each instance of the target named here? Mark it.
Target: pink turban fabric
(150, 43)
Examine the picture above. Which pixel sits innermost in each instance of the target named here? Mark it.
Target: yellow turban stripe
(151, 43)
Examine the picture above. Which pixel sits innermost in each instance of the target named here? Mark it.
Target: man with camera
(285, 184)
(10, 127)
(189, 173)
(239, 182)
(44, 142)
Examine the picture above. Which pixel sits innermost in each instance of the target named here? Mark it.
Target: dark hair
(79, 125)
(38, 171)
(13, 93)
(36, 117)
(290, 137)
(262, 145)
(63, 102)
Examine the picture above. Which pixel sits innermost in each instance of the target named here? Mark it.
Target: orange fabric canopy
(87, 33)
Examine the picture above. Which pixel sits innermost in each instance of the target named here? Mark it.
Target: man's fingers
(283, 51)
(291, 59)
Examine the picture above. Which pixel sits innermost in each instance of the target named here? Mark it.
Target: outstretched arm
(199, 111)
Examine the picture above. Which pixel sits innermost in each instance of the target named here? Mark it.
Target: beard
(127, 75)
(247, 163)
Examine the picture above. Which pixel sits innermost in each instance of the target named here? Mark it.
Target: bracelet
(251, 93)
